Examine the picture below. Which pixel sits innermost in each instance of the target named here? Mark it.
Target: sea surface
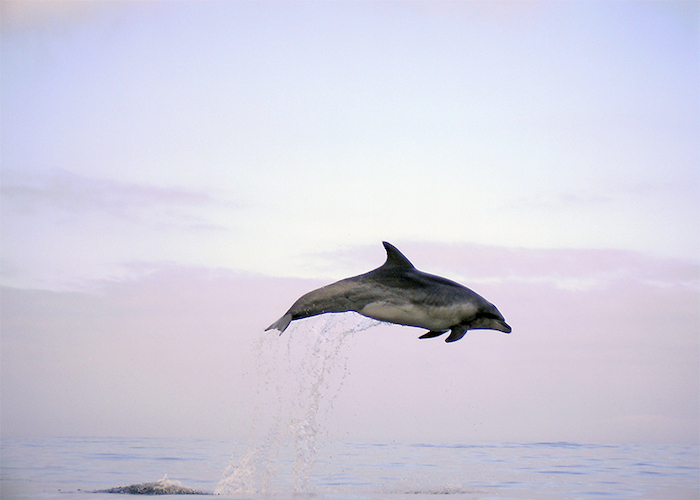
(73, 468)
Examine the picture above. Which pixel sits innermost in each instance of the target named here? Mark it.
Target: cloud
(614, 362)
(562, 268)
(21, 15)
(560, 200)
(74, 195)
(603, 195)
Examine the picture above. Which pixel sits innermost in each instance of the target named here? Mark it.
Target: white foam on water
(300, 375)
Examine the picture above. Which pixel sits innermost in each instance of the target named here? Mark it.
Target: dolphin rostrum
(399, 293)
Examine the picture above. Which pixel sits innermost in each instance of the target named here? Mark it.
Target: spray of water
(300, 374)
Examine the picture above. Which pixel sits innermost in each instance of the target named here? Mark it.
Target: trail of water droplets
(300, 375)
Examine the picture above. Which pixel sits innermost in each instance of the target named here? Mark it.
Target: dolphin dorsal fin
(394, 258)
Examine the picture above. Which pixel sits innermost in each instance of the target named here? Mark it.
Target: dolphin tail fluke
(281, 324)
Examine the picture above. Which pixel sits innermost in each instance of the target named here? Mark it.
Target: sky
(175, 174)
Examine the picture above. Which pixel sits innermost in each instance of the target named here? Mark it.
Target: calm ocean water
(72, 468)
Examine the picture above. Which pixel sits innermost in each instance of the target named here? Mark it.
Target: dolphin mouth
(493, 324)
(489, 323)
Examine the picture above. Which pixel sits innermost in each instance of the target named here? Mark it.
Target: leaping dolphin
(399, 293)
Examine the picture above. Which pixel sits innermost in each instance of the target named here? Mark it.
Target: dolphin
(161, 487)
(397, 292)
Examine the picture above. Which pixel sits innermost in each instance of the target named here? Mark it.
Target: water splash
(300, 374)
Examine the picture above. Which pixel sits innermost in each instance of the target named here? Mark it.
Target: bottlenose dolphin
(399, 293)
(161, 487)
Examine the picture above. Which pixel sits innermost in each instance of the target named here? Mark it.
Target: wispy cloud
(561, 200)
(20, 15)
(579, 365)
(599, 194)
(564, 268)
(75, 195)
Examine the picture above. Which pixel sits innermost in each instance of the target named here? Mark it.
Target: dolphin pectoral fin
(457, 333)
(432, 333)
(281, 324)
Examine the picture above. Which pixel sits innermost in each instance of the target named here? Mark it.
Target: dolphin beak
(484, 323)
(502, 326)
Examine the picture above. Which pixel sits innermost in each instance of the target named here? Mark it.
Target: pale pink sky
(613, 357)
(175, 174)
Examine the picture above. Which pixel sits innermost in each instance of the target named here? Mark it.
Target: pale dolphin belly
(430, 317)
